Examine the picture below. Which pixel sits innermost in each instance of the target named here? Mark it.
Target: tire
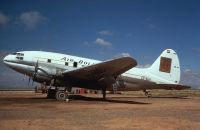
(61, 95)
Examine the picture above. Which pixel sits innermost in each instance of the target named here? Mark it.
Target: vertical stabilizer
(167, 67)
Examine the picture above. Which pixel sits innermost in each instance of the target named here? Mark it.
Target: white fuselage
(24, 62)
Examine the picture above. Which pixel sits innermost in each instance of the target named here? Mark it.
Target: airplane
(62, 72)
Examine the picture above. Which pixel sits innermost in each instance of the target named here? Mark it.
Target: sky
(103, 29)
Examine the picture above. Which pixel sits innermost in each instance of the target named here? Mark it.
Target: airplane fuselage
(53, 64)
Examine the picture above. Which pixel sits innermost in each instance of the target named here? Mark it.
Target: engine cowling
(118, 85)
(121, 85)
(44, 74)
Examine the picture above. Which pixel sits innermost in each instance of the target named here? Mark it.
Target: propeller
(34, 74)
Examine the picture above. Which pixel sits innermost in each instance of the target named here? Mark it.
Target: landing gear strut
(104, 93)
(51, 93)
(147, 93)
(52, 90)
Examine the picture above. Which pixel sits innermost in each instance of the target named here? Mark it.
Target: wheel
(61, 96)
(149, 95)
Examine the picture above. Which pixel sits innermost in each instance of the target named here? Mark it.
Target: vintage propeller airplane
(67, 71)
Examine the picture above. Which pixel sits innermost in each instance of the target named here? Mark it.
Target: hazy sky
(102, 29)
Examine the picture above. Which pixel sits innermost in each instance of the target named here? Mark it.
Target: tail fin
(167, 67)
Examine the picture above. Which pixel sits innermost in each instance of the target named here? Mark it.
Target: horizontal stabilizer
(171, 86)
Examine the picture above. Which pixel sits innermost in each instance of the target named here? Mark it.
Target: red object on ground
(82, 91)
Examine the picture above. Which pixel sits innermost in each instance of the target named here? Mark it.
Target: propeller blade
(24, 77)
(32, 82)
(29, 80)
(36, 70)
(36, 66)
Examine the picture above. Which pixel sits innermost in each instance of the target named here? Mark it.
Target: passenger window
(75, 64)
(66, 63)
(49, 60)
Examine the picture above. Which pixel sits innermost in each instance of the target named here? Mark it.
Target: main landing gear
(51, 93)
(147, 93)
(60, 94)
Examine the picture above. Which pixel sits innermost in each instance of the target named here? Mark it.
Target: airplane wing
(110, 68)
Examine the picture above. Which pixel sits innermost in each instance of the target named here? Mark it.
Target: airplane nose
(5, 59)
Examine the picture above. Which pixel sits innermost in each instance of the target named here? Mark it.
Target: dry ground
(30, 111)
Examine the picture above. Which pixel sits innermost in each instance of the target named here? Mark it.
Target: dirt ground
(30, 111)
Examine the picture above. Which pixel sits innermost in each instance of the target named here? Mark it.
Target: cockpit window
(14, 53)
(18, 54)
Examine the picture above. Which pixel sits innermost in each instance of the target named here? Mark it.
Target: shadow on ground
(110, 99)
(75, 98)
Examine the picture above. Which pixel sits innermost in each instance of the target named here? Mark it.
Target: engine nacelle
(44, 74)
(121, 85)
(41, 78)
